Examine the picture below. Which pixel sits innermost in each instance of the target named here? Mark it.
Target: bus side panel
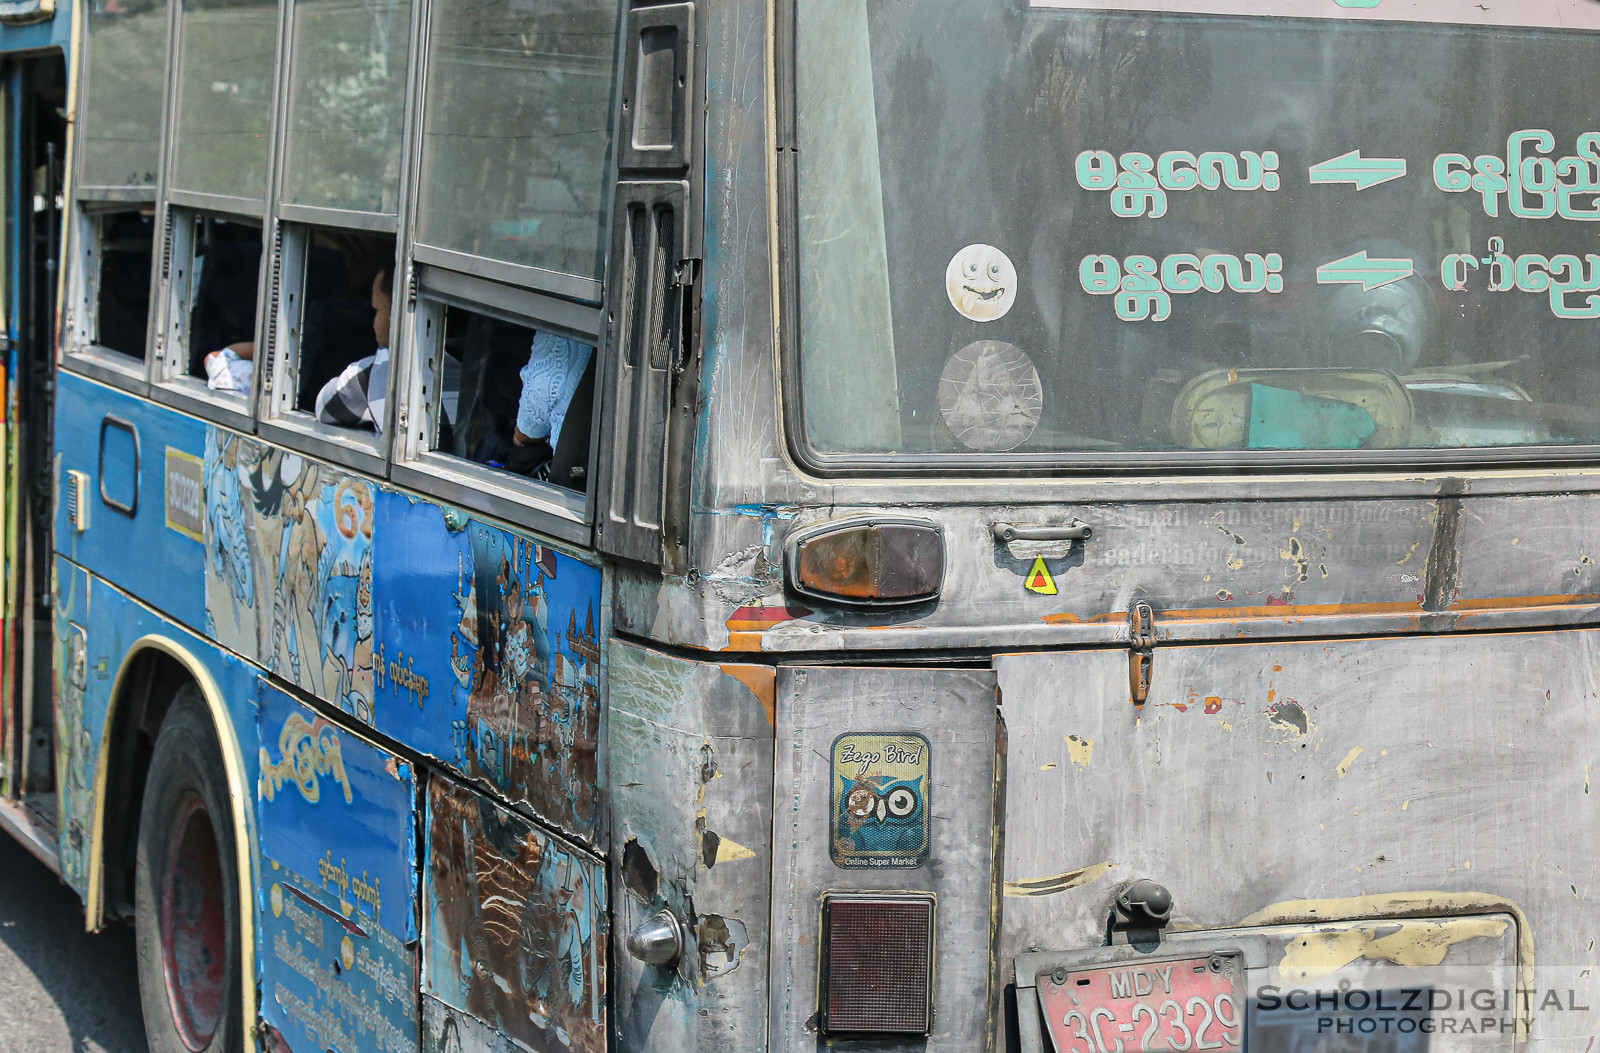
(465, 641)
(145, 552)
(110, 623)
(834, 726)
(691, 744)
(337, 915)
(515, 926)
(488, 656)
(75, 746)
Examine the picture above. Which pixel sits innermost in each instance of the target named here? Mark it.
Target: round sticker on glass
(981, 282)
(990, 396)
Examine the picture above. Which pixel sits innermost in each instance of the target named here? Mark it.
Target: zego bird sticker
(1039, 579)
(880, 806)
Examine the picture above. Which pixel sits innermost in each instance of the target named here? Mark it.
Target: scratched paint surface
(465, 641)
(339, 812)
(337, 900)
(516, 924)
(692, 830)
(489, 651)
(328, 982)
(75, 748)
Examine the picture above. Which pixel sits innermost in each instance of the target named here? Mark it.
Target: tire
(186, 890)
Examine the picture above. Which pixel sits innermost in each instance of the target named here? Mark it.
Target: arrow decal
(1364, 172)
(1368, 273)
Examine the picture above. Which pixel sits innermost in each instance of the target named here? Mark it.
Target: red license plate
(1192, 1005)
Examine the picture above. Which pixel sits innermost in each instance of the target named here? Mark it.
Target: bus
(1055, 526)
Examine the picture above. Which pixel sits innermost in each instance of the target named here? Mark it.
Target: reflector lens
(877, 965)
(870, 561)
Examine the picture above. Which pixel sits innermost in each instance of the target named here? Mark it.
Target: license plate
(1190, 1005)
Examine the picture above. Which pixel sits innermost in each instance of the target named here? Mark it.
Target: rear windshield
(1066, 229)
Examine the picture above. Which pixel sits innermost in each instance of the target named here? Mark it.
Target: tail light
(868, 561)
(877, 964)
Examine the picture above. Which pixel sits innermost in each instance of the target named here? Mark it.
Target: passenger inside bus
(341, 313)
(356, 397)
(516, 398)
(222, 319)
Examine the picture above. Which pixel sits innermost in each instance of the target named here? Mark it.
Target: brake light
(877, 964)
(869, 561)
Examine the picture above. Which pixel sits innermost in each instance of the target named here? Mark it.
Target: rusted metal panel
(692, 821)
(1270, 782)
(819, 711)
(337, 820)
(516, 924)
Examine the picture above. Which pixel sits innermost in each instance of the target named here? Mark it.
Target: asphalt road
(61, 989)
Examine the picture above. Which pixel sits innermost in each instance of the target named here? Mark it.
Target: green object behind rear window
(1288, 420)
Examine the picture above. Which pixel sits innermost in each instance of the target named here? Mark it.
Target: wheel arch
(153, 667)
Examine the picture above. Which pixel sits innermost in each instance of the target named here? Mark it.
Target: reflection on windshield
(1062, 230)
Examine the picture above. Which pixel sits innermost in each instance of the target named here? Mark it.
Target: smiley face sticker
(981, 282)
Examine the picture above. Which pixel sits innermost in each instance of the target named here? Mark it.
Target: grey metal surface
(691, 817)
(1418, 776)
(954, 710)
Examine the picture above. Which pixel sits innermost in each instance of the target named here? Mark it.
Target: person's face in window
(381, 303)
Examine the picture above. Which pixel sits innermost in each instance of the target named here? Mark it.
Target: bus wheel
(186, 890)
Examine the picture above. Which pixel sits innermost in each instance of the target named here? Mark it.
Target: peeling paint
(1080, 750)
(1404, 905)
(1057, 883)
(1349, 758)
(1291, 716)
(1407, 943)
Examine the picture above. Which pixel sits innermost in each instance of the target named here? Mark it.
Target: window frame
(87, 203)
(277, 419)
(535, 504)
(539, 279)
(975, 467)
(170, 381)
(78, 348)
(357, 450)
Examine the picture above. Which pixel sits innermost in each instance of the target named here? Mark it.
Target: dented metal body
(478, 757)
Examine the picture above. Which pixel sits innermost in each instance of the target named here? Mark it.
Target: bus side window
(125, 243)
(515, 397)
(335, 284)
(224, 264)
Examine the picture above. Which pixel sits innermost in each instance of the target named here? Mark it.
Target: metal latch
(1141, 651)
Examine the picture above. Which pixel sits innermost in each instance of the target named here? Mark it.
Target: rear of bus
(1176, 562)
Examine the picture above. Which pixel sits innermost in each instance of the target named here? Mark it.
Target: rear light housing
(876, 561)
(877, 958)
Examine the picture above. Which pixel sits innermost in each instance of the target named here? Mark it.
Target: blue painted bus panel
(515, 924)
(96, 625)
(288, 572)
(328, 984)
(142, 554)
(75, 748)
(468, 642)
(339, 811)
(489, 656)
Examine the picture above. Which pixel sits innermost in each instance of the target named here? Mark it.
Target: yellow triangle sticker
(1039, 579)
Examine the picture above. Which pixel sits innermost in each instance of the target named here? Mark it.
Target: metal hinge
(1141, 651)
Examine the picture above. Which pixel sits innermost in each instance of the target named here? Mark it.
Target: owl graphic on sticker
(880, 800)
(981, 283)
